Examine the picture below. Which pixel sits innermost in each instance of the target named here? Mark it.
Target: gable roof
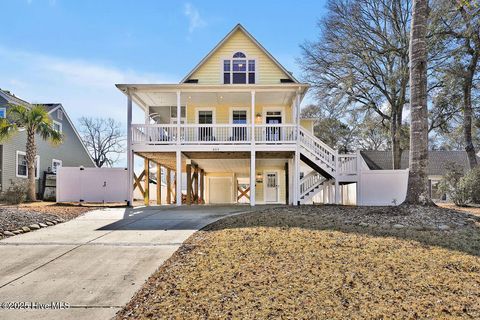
(225, 39)
(11, 98)
(438, 160)
(51, 107)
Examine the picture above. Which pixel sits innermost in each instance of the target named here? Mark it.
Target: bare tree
(361, 60)
(103, 138)
(417, 191)
(459, 23)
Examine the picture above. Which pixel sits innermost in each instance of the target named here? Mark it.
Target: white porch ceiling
(158, 99)
(239, 166)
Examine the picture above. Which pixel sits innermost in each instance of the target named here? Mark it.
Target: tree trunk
(30, 157)
(417, 191)
(395, 133)
(467, 114)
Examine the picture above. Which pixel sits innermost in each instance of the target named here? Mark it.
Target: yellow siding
(223, 112)
(307, 124)
(211, 70)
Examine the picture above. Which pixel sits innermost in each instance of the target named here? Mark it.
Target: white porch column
(337, 192)
(252, 116)
(359, 177)
(337, 174)
(130, 164)
(179, 115)
(147, 115)
(252, 178)
(179, 178)
(297, 108)
(296, 178)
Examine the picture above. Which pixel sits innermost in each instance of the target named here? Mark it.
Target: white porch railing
(347, 164)
(215, 133)
(153, 134)
(275, 133)
(317, 147)
(310, 182)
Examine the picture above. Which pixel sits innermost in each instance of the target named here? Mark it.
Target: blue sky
(74, 52)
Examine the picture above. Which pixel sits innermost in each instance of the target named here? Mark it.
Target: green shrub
(461, 189)
(16, 192)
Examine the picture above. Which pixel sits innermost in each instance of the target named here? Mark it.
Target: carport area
(220, 177)
(96, 262)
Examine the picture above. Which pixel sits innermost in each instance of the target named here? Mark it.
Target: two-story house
(233, 126)
(72, 152)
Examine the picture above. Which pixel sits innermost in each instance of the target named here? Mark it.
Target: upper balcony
(188, 114)
(168, 134)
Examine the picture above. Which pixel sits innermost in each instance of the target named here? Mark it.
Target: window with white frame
(60, 114)
(22, 169)
(173, 114)
(3, 112)
(56, 164)
(57, 126)
(239, 69)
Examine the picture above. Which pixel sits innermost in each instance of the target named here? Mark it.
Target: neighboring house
(438, 164)
(71, 152)
(232, 126)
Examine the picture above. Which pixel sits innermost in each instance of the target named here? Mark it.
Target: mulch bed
(321, 262)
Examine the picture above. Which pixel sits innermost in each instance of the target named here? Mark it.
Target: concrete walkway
(96, 262)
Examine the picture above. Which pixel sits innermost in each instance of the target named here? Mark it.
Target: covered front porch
(192, 114)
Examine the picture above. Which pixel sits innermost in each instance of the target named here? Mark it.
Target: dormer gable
(239, 59)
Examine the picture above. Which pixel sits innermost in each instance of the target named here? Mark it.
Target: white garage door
(220, 190)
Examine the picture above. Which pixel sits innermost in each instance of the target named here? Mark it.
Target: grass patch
(320, 263)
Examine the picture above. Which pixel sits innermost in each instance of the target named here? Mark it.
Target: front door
(271, 189)
(273, 133)
(205, 133)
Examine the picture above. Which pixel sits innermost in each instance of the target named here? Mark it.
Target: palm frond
(48, 133)
(7, 129)
(18, 114)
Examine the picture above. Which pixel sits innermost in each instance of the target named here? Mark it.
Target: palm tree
(417, 191)
(34, 120)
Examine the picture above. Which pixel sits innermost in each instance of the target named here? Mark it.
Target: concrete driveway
(96, 262)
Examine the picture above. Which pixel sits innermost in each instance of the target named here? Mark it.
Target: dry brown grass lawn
(319, 263)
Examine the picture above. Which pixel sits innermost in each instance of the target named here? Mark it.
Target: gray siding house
(71, 153)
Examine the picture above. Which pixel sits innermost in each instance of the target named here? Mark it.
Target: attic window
(60, 114)
(239, 55)
(239, 70)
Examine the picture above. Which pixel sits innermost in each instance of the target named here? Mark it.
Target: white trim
(277, 173)
(230, 113)
(214, 113)
(37, 158)
(59, 124)
(273, 109)
(4, 112)
(58, 161)
(231, 58)
(239, 27)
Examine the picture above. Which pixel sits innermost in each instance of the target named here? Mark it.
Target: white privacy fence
(382, 187)
(78, 184)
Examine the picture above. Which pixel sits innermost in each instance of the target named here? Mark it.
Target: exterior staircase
(326, 163)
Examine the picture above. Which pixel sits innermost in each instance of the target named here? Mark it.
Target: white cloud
(84, 88)
(194, 18)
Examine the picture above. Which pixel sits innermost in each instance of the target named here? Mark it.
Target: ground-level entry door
(271, 188)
